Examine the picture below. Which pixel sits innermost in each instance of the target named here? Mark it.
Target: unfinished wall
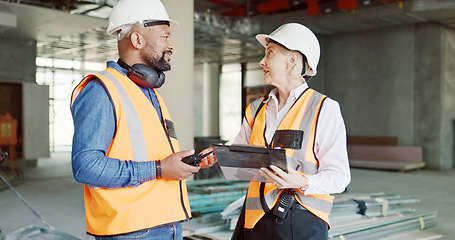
(428, 91)
(370, 74)
(448, 99)
(17, 60)
(399, 82)
(435, 98)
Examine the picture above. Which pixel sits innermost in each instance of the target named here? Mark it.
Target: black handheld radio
(195, 159)
(284, 203)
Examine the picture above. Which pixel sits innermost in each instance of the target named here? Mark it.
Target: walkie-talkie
(195, 159)
(284, 203)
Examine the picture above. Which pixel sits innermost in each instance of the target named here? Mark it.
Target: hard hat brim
(262, 38)
(111, 31)
(174, 24)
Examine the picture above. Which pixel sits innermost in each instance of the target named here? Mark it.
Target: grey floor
(51, 190)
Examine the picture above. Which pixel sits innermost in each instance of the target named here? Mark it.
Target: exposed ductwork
(219, 37)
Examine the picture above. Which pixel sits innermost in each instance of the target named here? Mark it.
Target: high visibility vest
(139, 136)
(303, 115)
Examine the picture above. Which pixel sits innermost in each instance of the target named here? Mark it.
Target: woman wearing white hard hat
(309, 126)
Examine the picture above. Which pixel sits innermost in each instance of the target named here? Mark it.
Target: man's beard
(159, 64)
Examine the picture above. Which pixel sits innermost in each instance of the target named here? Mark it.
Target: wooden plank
(401, 158)
(400, 166)
(410, 154)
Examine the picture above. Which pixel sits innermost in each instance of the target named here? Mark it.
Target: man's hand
(172, 167)
(208, 161)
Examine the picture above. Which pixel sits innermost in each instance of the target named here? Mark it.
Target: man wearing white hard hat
(125, 149)
(309, 126)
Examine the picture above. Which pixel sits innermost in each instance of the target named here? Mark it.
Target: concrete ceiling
(221, 35)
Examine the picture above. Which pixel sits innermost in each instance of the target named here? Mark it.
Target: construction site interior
(388, 63)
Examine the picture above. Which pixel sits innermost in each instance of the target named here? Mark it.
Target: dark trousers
(299, 224)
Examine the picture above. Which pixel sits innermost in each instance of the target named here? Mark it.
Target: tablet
(242, 162)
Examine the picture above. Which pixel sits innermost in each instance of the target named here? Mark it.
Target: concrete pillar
(17, 60)
(370, 74)
(210, 99)
(198, 99)
(398, 82)
(448, 99)
(434, 100)
(178, 89)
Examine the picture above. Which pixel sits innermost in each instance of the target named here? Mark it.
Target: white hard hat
(295, 36)
(126, 13)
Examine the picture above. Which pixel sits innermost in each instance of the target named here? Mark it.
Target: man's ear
(137, 40)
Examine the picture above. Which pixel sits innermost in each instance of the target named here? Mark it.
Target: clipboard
(242, 162)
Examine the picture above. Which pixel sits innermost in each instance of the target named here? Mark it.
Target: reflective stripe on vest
(139, 136)
(303, 115)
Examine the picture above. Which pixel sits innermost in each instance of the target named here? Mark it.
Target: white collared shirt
(330, 143)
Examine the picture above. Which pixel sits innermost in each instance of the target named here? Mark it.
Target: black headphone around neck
(144, 75)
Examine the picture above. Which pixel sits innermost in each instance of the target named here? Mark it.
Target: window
(62, 76)
(230, 101)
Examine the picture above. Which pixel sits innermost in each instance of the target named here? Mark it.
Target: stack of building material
(370, 216)
(383, 227)
(214, 202)
(208, 198)
(354, 216)
(377, 204)
(377, 216)
(214, 195)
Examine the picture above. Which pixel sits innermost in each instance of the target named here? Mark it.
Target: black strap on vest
(239, 227)
(261, 197)
(260, 106)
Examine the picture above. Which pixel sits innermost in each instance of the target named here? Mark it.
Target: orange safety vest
(303, 115)
(139, 136)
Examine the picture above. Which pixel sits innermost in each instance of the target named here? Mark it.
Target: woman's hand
(283, 180)
(208, 161)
